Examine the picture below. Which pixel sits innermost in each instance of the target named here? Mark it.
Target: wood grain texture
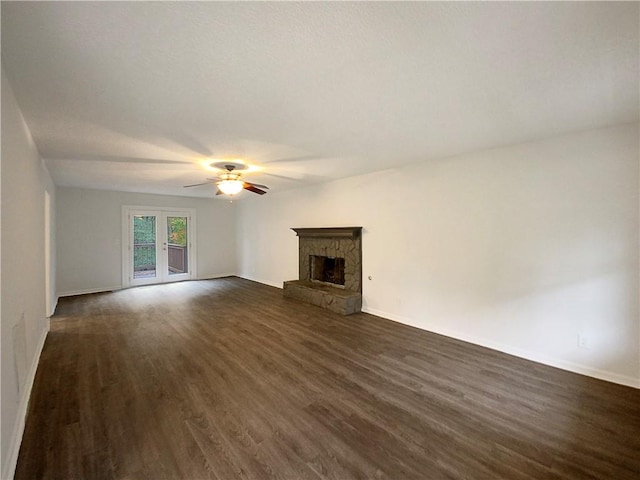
(225, 379)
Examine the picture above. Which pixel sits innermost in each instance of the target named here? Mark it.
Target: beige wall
(22, 303)
(89, 236)
(520, 249)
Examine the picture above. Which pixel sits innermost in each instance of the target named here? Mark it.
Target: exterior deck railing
(144, 257)
(177, 258)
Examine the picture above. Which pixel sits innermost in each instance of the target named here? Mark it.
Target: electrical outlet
(583, 341)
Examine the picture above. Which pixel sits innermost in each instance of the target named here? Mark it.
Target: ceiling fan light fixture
(230, 187)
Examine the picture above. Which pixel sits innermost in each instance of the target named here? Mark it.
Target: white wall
(520, 248)
(22, 305)
(89, 226)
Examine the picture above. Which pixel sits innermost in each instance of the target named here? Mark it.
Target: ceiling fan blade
(293, 159)
(197, 184)
(256, 185)
(219, 192)
(251, 188)
(279, 176)
(113, 159)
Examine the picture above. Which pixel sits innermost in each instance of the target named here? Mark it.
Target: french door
(159, 246)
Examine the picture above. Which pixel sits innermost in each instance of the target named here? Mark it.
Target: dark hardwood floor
(226, 379)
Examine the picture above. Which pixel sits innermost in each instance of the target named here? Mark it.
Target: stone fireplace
(330, 269)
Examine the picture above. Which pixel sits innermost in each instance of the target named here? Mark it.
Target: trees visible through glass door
(159, 246)
(144, 246)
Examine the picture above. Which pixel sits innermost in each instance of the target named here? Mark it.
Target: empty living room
(320, 240)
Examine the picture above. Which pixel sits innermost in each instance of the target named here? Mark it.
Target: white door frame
(50, 298)
(162, 213)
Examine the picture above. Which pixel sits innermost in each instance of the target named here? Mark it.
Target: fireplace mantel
(329, 232)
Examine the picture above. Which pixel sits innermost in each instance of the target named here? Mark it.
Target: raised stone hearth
(330, 269)
(337, 300)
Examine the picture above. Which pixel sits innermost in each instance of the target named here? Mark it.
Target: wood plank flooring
(225, 379)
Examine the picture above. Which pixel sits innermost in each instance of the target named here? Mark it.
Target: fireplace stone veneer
(334, 242)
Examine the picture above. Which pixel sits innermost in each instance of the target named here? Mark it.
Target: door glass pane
(177, 245)
(144, 246)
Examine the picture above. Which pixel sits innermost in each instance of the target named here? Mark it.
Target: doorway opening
(159, 245)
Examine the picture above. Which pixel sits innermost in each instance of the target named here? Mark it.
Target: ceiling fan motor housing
(229, 176)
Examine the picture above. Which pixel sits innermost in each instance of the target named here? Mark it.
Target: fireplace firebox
(327, 269)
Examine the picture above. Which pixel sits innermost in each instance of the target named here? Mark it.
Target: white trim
(215, 275)
(89, 290)
(264, 282)
(49, 294)
(9, 468)
(527, 355)
(120, 287)
(125, 245)
(54, 306)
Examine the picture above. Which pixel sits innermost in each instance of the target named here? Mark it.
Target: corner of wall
(25, 181)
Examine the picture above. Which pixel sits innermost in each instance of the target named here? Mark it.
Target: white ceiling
(134, 96)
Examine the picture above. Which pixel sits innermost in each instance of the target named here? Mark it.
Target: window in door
(144, 246)
(177, 246)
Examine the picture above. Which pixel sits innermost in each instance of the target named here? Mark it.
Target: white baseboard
(120, 287)
(214, 276)
(527, 355)
(53, 307)
(90, 290)
(9, 468)
(264, 282)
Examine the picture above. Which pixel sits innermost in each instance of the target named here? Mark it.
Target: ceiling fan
(230, 182)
